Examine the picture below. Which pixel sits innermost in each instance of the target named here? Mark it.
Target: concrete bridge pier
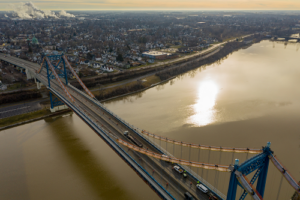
(58, 108)
(38, 83)
(29, 75)
(56, 104)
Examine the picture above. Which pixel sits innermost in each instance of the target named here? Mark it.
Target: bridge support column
(262, 179)
(56, 105)
(231, 194)
(28, 74)
(38, 85)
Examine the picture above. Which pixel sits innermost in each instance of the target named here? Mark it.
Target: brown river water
(245, 100)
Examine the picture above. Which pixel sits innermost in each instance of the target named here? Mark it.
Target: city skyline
(157, 5)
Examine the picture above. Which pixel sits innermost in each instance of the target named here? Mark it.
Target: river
(244, 100)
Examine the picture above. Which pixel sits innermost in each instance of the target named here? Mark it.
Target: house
(107, 68)
(2, 86)
(96, 65)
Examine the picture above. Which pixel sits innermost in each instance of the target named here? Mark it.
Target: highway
(19, 109)
(160, 170)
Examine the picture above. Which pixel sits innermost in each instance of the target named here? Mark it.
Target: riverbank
(171, 72)
(142, 84)
(28, 118)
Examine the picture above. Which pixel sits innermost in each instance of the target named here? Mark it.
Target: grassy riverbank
(126, 88)
(28, 117)
(23, 117)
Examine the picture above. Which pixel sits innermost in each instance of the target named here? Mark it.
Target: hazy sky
(160, 4)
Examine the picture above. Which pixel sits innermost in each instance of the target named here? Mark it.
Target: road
(161, 170)
(214, 49)
(19, 109)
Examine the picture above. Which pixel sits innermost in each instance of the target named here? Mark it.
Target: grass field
(147, 82)
(24, 117)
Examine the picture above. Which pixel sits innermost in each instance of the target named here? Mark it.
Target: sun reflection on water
(203, 110)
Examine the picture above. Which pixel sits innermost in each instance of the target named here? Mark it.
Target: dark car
(188, 196)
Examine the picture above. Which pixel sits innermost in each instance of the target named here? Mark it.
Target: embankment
(174, 70)
(19, 96)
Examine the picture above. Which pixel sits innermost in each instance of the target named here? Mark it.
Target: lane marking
(15, 109)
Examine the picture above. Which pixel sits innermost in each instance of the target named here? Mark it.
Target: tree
(120, 58)
(89, 56)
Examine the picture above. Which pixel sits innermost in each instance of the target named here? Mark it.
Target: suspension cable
(222, 168)
(207, 147)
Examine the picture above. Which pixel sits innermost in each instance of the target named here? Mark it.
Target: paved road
(212, 50)
(152, 73)
(19, 109)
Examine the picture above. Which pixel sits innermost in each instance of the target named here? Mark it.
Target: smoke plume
(29, 11)
(5, 15)
(63, 13)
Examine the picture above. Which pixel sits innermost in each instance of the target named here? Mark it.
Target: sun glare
(203, 109)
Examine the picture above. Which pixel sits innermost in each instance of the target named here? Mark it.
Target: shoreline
(34, 119)
(178, 66)
(129, 93)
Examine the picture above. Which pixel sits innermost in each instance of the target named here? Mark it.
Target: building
(156, 55)
(2, 86)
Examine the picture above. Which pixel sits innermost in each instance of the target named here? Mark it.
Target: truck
(133, 139)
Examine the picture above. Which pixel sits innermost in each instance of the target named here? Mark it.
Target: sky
(5, 5)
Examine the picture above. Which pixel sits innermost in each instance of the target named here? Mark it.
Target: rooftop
(155, 53)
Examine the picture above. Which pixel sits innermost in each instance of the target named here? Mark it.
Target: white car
(202, 188)
(178, 169)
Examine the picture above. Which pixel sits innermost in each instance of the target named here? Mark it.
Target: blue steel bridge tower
(258, 164)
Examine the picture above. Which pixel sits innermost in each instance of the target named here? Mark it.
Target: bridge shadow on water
(96, 175)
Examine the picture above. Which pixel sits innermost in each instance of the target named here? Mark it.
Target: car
(188, 196)
(178, 169)
(202, 188)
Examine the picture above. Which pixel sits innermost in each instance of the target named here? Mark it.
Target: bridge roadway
(160, 170)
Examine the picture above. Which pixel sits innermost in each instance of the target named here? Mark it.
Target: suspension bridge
(153, 157)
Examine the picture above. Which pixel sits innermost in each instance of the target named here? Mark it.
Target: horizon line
(168, 10)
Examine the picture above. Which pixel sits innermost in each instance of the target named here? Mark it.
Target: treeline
(120, 91)
(225, 51)
(19, 96)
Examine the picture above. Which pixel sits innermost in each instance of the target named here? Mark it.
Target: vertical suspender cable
(198, 160)
(279, 189)
(173, 149)
(181, 151)
(167, 145)
(216, 183)
(232, 158)
(207, 162)
(190, 156)
(160, 144)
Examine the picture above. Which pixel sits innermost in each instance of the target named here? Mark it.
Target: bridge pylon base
(58, 108)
